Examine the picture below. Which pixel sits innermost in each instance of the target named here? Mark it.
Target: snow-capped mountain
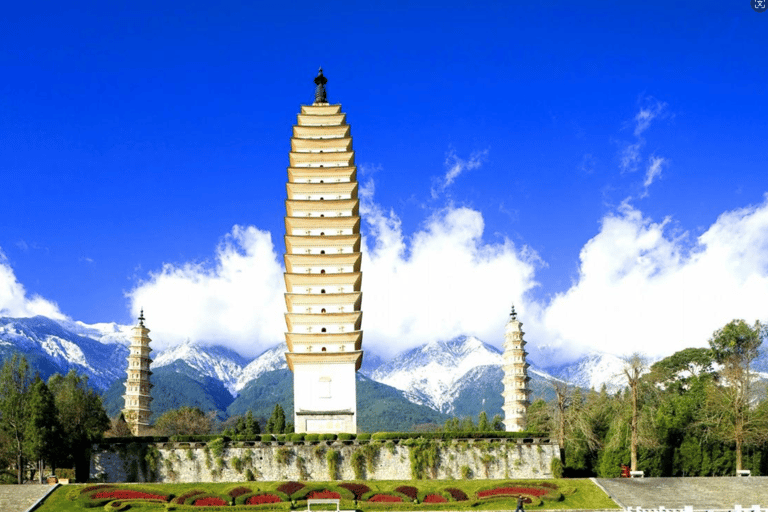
(269, 360)
(594, 370)
(214, 361)
(54, 348)
(461, 376)
(428, 374)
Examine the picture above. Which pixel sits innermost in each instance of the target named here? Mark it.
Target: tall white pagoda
(516, 392)
(322, 264)
(137, 386)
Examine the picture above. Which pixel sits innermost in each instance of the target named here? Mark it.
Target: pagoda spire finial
(141, 317)
(513, 313)
(320, 81)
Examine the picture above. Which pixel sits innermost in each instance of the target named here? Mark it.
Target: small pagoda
(516, 391)
(322, 269)
(137, 386)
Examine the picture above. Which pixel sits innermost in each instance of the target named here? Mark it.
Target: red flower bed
(434, 498)
(357, 489)
(409, 491)
(457, 494)
(262, 498)
(512, 491)
(290, 487)
(127, 494)
(324, 495)
(239, 491)
(210, 501)
(385, 498)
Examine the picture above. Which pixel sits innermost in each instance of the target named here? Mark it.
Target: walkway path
(702, 493)
(18, 498)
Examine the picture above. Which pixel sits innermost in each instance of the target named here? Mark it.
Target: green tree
(183, 421)
(245, 426)
(482, 422)
(497, 423)
(119, 427)
(276, 422)
(15, 381)
(43, 430)
(634, 367)
(730, 415)
(82, 418)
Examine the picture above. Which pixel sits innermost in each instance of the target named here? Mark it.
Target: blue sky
(600, 164)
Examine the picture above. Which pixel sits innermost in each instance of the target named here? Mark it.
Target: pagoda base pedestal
(325, 422)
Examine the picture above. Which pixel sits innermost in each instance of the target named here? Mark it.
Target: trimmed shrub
(267, 438)
(239, 491)
(363, 437)
(511, 490)
(434, 498)
(410, 491)
(310, 491)
(209, 501)
(457, 494)
(327, 437)
(290, 488)
(295, 438)
(312, 437)
(345, 437)
(323, 495)
(385, 498)
(369, 496)
(180, 500)
(356, 489)
(261, 499)
(127, 494)
(269, 497)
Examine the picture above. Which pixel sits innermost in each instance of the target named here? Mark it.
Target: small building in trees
(516, 391)
(138, 393)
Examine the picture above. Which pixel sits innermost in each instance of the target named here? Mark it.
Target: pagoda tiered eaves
(322, 262)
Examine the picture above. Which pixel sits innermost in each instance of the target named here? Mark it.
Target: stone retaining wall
(308, 461)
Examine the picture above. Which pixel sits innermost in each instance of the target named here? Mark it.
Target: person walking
(520, 501)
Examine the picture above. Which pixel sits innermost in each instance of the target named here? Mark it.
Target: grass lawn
(573, 494)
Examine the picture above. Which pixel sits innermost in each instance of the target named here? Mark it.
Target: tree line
(52, 422)
(698, 412)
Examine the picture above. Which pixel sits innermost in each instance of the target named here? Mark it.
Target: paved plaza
(702, 493)
(18, 498)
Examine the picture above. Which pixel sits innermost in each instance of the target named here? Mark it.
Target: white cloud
(630, 156)
(641, 289)
(630, 153)
(456, 166)
(442, 281)
(236, 302)
(653, 171)
(651, 109)
(13, 297)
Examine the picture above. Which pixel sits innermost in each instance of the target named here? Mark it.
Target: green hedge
(302, 493)
(446, 436)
